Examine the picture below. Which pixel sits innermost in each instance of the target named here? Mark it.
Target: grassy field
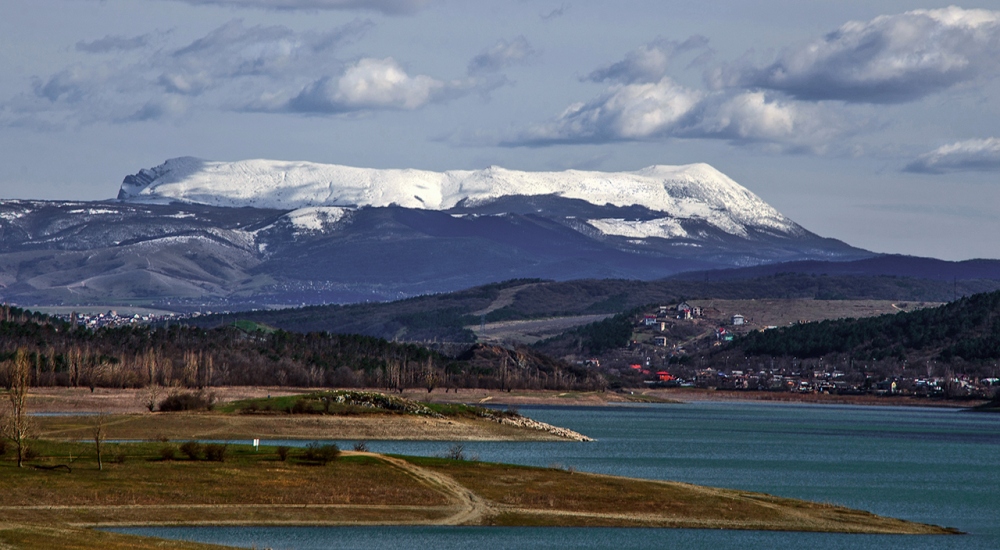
(42, 504)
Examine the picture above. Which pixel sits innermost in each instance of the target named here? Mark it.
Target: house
(738, 320)
(660, 341)
(649, 320)
(683, 310)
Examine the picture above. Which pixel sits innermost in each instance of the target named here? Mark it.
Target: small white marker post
(256, 445)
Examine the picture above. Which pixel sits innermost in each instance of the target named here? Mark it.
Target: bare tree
(15, 424)
(430, 377)
(150, 396)
(99, 432)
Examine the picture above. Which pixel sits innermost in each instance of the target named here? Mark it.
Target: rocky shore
(524, 422)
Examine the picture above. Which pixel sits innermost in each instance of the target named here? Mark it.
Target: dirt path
(469, 507)
(503, 299)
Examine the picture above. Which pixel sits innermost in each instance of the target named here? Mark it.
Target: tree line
(60, 354)
(967, 329)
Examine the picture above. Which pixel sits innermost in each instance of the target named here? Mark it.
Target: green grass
(324, 402)
(253, 326)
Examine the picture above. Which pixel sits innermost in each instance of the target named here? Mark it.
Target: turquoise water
(929, 465)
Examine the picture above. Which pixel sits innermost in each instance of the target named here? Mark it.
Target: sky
(874, 122)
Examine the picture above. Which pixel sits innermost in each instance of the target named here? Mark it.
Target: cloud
(111, 43)
(648, 63)
(394, 7)
(233, 50)
(372, 84)
(503, 54)
(155, 109)
(664, 109)
(232, 66)
(890, 59)
(973, 155)
(556, 13)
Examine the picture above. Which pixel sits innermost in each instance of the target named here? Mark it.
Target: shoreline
(389, 490)
(70, 401)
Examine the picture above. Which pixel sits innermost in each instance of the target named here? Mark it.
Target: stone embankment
(524, 422)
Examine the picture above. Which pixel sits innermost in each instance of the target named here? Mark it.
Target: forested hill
(445, 316)
(965, 330)
(144, 356)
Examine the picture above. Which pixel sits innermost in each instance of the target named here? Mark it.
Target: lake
(931, 465)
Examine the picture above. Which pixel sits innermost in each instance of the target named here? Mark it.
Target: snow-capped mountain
(257, 232)
(690, 192)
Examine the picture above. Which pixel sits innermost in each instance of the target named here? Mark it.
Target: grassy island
(341, 414)
(61, 494)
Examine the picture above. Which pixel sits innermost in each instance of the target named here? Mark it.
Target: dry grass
(246, 478)
(237, 426)
(554, 497)
(45, 508)
(37, 537)
(762, 313)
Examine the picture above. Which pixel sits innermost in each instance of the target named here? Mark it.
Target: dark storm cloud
(890, 59)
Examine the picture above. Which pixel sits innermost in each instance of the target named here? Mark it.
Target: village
(112, 318)
(668, 350)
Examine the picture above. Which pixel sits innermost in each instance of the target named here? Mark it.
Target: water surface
(922, 464)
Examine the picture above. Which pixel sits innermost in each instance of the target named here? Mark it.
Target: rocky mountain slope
(259, 233)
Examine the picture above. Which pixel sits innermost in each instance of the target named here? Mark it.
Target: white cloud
(980, 155)
(648, 63)
(371, 84)
(229, 68)
(890, 59)
(110, 44)
(501, 55)
(555, 13)
(384, 6)
(664, 109)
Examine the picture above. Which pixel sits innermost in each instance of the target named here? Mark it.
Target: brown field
(533, 330)
(763, 313)
(257, 488)
(236, 426)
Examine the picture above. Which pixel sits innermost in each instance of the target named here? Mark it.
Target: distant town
(669, 348)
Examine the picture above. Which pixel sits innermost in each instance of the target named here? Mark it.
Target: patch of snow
(664, 228)
(315, 218)
(92, 211)
(694, 191)
(13, 215)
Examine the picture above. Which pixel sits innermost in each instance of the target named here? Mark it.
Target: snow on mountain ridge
(696, 191)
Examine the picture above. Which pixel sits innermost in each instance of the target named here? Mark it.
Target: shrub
(187, 402)
(361, 447)
(30, 453)
(119, 457)
(216, 452)
(456, 452)
(321, 453)
(168, 452)
(192, 449)
(301, 406)
(283, 453)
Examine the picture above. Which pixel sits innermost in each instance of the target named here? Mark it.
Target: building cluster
(834, 382)
(113, 319)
